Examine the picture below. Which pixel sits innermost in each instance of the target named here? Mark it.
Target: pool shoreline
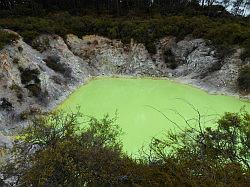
(67, 94)
(130, 96)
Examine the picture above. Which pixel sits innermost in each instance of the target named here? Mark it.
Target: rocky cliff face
(37, 78)
(107, 57)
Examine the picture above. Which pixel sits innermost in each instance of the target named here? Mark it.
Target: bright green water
(134, 99)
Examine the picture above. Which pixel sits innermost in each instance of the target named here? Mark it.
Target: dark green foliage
(244, 79)
(97, 7)
(55, 151)
(231, 138)
(246, 53)
(222, 32)
(7, 38)
(222, 151)
(210, 8)
(62, 154)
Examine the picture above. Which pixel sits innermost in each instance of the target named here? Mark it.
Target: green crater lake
(141, 103)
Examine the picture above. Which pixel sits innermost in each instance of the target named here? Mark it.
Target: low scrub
(55, 151)
(7, 38)
(222, 31)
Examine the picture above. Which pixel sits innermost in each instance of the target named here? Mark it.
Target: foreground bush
(219, 155)
(55, 151)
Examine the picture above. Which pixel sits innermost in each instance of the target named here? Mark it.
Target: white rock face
(109, 57)
(34, 80)
(37, 78)
(185, 47)
(199, 64)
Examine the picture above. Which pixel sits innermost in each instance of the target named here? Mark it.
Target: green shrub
(92, 156)
(7, 38)
(221, 151)
(224, 32)
(96, 149)
(244, 79)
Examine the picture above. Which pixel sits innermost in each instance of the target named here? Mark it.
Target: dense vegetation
(55, 151)
(221, 32)
(145, 21)
(124, 7)
(7, 38)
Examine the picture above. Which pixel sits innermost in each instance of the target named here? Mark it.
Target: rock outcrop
(200, 64)
(32, 80)
(37, 78)
(109, 57)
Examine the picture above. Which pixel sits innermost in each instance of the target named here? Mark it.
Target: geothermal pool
(142, 103)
